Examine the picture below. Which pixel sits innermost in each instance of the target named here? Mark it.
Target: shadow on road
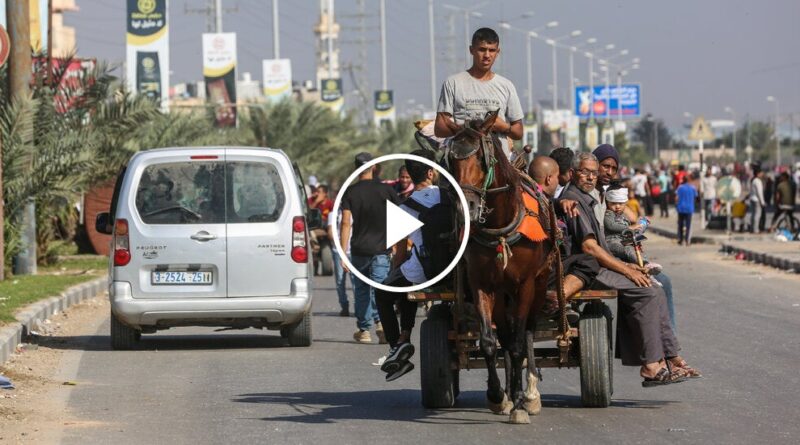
(574, 401)
(395, 405)
(166, 342)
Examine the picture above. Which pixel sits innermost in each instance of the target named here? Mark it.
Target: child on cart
(623, 236)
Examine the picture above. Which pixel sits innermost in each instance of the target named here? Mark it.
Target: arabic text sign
(627, 95)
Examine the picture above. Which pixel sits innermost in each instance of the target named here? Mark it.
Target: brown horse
(507, 274)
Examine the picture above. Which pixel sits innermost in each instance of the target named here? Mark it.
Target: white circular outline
(335, 227)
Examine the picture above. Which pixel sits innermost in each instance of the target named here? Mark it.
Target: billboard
(277, 79)
(219, 73)
(627, 95)
(147, 49)
(332, 94)
(384, 107)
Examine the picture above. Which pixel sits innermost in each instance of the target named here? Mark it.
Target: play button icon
(399, 224)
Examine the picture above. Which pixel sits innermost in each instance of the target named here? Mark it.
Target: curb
(702, 239)
(13, 334)
(762, 258)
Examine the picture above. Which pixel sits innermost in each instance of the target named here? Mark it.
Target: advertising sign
(74, 76)
(384, 107)
(332, 95)
(627, 95)
(147, 39)
(277, 79)
(592, 137)
(219, 72)
(38, 25)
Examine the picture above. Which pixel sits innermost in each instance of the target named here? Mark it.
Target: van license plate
(178, 277)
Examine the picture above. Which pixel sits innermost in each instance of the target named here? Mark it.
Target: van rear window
(210, 193)
(182, 193)
(257, 192)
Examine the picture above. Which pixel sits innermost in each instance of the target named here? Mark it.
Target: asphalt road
(738, 323)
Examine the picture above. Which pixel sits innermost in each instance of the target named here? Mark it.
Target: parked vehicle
(209, 237)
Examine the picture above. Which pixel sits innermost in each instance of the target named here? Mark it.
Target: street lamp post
(529, 36)
(432, 44)
(554, 44)
(775, 128)
(572, 51)
(733, 115)
(468, 12)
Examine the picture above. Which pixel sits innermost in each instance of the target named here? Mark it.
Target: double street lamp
(529, 36)
(732, 112)
(775, 127)
(470, 11)
(553, 43)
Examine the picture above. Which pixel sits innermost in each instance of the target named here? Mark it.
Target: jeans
(685, 228)
(340, 275)
(756, 216)
(663, 201)
(708, 204)
(666, 282)
(376, 268)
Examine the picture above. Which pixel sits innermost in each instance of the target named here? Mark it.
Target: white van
(209, 237)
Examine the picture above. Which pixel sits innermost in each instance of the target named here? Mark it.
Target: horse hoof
(502, 408)
(533, 407)
(519, 417)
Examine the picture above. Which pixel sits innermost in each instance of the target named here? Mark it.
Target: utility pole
(218, 16)
(276, 42)
(432, 44)
(19, 80)
(384, 80)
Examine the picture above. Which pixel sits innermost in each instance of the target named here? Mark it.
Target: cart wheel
(439, 387)
(610, 322)
(595, 358)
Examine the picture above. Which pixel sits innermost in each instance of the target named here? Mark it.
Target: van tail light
(299, 240)
(121, 243)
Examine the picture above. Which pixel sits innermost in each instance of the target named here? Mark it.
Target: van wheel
(300, 333)
(123, 337)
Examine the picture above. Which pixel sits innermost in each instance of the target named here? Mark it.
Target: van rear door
(262, 202)
(177, 233)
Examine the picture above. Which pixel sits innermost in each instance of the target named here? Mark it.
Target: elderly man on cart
(644, 335)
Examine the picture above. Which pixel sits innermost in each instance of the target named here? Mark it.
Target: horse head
(471, 162)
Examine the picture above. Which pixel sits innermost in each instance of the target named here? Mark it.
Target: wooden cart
(450, 334)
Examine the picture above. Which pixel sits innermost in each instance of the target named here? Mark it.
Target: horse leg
(525, 297)
(495, 395)
(533, 400)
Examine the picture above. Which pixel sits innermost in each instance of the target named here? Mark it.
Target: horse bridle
(488, 164)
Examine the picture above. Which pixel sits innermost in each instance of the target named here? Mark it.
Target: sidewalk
(761, 248)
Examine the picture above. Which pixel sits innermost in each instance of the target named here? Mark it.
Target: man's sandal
(663, 377)
(684, 368)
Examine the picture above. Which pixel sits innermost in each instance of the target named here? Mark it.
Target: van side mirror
(314, 219)
(102, 223)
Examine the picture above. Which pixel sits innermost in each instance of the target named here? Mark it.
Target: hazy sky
(696, 55)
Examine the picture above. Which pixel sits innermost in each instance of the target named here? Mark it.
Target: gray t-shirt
(465, 98)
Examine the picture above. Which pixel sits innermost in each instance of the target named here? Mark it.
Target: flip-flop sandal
(688, 371)
(663, 377)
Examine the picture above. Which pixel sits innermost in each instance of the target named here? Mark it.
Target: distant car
(209, 237)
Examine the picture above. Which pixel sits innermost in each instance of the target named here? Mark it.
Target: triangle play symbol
(399, 224)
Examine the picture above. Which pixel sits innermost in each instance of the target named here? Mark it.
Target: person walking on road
(663, 198)
(471, 94)
(709, 193)
(339, 273)
(784, 201)
(363, 204)
(757, 202)
(685, 196)
(406, 271)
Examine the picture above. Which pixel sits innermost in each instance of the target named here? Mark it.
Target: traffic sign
(701, 131)
(5, 45)
(729, 189)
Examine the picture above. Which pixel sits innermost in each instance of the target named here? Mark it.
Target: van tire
(123, 337)
(300, 334)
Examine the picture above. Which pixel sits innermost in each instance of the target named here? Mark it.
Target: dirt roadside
(35, 412)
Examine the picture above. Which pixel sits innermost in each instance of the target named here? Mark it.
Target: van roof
(205, 149)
